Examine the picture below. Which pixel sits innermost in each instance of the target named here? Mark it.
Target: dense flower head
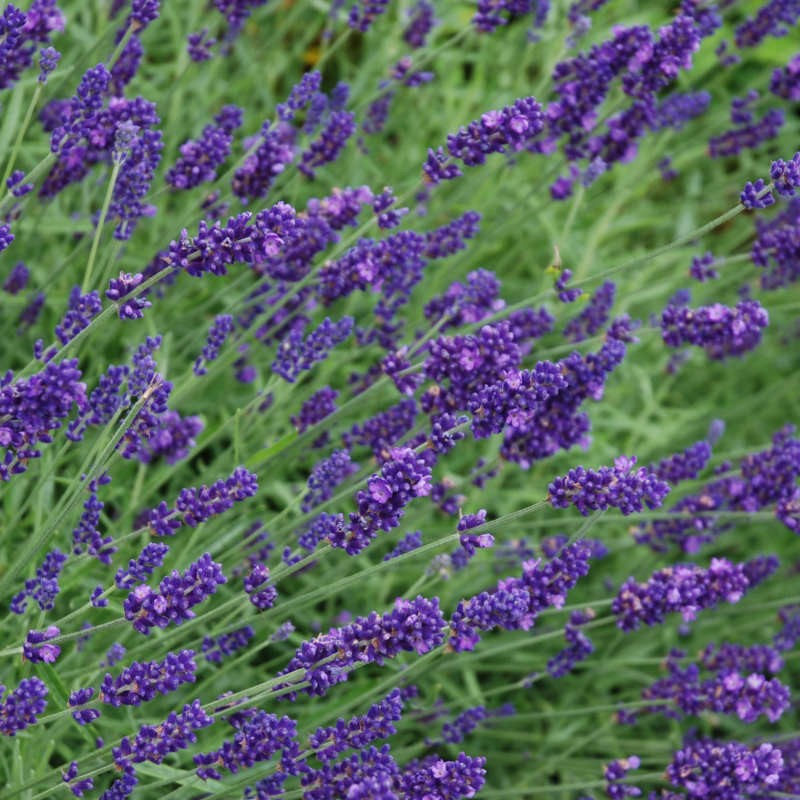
(20, 707)
(382, 431)
(714, 770)
(120, 288)
(80, 312)
(579, 645)
(459, 365)
(19, 34)
(31, 408)
(358, 732)
(421, 22)
(786, 81)
(297, 354)
(17, 279)
(177, 593)
(515, 603)
(257, 739)
(242, 240)
(594, 316)
(37, 647)
(226, 644)
(683, 466)
(199, 504)
(142, 681)
(153, 742)
(515, 400)
(776, 248)
(319, 406)
(685, 588)
(773, 18)
(463, 304)
(326, 476)
(748, 135)
(720, 330)
(218, 333)
(261, 596)
(404, 476)
(609, 487)
(411, 626)
(44, 587)
(434, 777)
(506, 130)
(142, 567)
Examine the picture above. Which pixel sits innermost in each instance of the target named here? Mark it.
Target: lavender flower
(198, 46)
(326, 476)
(77, 787)
(200, 159)
(506, 130)
(20, 707)
(265, 597)
(80, 312)
(773, 18)
(297, 354)
(720, 330)
(176, 595)
(708, 769)
(786, 81)
(43, 588)
(608, 487)
(358, 732)
(594, 316)
(403, 477)
(31, 408)
(80, 697)
(226, 644)
(257, 739)
(153, 742)
(119, 288)
(17, 279)
(36, 648)
(410, 542)
(339, 128)
(684, 588)
(143, 681)
(515, 603)
(579, 645)
(412, 626)
(141, 568)
(421, 21)
(218, 333)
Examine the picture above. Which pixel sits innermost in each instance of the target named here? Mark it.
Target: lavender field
(398, 399)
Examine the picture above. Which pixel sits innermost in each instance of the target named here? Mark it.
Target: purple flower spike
(710, 770)
(36, 650)
(412, 626)
(119, 288)
(153, 742)
(20, 707)
(141, 682)
(265, 597)
(720, 330)
(684, 588)
(257, 739)
(609, 487)
(147, 608)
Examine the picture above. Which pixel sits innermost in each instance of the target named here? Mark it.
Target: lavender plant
(349, 451)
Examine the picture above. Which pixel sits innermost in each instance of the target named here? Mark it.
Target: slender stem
(98, 231)
(21, 132)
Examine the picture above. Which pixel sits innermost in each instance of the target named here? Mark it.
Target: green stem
(87, 277)
(21, 132)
